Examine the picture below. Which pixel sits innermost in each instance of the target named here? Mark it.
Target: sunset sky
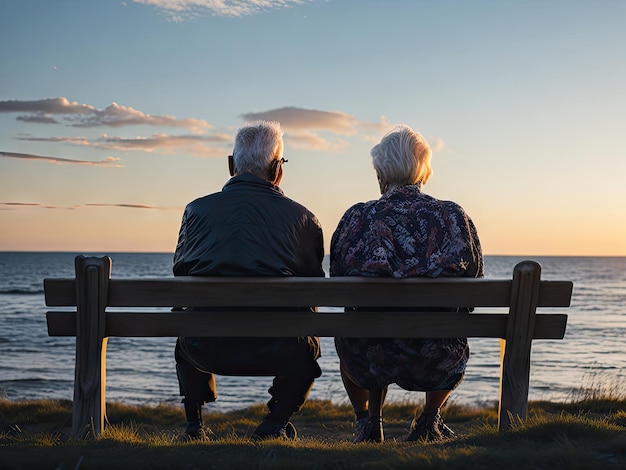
(115, 114)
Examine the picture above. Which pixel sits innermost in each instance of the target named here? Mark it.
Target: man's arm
(318, 247)
(179, 255)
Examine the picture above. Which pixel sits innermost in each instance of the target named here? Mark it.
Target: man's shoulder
(295, 204)
(204, 199)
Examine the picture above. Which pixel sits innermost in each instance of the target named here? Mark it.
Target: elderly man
(249, 228)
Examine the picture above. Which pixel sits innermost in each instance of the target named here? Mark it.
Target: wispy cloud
(304, 127)
(133, 206)
(195, 145)
(36, 205)
(179, 10)
(436, 143)
(109, 161)
(74, 114)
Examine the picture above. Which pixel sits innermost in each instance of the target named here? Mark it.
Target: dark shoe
(272, 430)
(368, 430)
(445, 431)
(360, 429)
(429, 427)
(196, 433)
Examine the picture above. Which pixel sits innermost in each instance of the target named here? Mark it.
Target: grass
(589, 432)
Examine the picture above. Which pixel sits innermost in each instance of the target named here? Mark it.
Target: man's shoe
(196, 433)
(272, 430)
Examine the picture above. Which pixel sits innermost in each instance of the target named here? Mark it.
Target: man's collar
(249, 178)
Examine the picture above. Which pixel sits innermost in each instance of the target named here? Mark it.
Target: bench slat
(292, 291)
(373, 324)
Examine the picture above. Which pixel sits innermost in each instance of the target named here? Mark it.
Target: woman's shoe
(445, 431)
(360, 433)
(429, 427)
(368, 430)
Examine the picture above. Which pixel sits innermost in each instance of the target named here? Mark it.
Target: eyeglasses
(282, 161)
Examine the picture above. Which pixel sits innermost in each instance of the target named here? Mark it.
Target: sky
(115, 114)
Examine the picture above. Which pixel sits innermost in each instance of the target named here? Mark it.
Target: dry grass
(589, 433)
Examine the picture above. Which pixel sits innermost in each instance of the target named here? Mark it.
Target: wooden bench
(93, 291)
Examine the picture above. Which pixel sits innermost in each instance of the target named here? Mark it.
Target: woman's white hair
(402, 157)
(257, 145)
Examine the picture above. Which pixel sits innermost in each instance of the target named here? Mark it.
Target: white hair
(402, 157)
(257, 145)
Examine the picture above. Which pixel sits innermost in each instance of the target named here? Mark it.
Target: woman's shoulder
(443, 205)
(358, 208)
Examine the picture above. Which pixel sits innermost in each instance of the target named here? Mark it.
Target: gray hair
(402, 157)
(257, 145)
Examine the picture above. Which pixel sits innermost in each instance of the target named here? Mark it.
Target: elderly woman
(405, 233)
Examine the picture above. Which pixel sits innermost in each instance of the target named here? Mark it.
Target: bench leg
(92, 279)
(515, 348)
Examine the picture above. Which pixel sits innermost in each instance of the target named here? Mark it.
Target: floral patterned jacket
(406, 233)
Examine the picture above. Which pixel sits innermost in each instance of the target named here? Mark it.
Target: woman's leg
(435, 400)
(374, 427)
(359, 396)
(376, 401)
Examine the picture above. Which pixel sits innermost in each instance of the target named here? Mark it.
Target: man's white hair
(257, 145)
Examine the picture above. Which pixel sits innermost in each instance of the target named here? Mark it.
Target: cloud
(82, 141)
(299, 118)
(201, 146)
(436, 144)
(134, 206)
(38, 119)
(179, 10)
(13, 205)
(109, 161)
(312, 141)
(35, 205)
(47, 106)
(74, 114)
(304, 127)
(27, 204)
(214, 145)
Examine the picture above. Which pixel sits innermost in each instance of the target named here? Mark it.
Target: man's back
(248, 229)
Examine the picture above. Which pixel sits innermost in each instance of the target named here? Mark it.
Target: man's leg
(296, 369)
(196, 388)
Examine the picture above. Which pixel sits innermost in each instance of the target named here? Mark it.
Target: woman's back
(406, 233)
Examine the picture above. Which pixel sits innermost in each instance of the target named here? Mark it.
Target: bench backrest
(294, 292)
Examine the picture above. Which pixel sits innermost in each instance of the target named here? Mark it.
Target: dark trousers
(292, 362)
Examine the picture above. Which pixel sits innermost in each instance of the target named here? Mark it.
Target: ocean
(142, 370)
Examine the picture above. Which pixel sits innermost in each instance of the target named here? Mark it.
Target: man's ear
(274, 172)
(231, 165)
(279, 176)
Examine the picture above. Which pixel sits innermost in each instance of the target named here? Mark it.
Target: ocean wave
(19, 291)
(49, 382)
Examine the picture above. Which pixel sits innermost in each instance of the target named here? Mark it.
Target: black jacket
(250, 228)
